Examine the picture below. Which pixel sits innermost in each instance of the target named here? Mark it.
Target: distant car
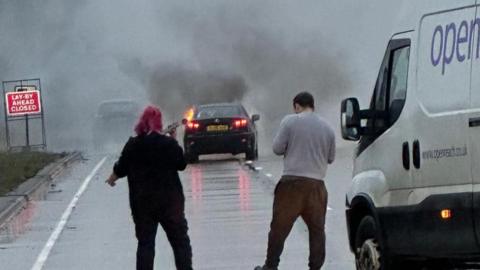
(220, 128)
(114, 123)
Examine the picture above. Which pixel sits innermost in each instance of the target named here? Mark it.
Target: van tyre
(369, 254)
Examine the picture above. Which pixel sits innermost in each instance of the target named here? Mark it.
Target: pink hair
(150, 121)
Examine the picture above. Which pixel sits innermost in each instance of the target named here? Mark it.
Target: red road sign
(22, 103)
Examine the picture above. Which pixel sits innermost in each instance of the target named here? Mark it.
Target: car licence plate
(217, 128)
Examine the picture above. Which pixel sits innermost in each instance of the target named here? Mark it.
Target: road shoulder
(35, 188)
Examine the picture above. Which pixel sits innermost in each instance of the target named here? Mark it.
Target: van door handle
(416, 154)
(406, 156)
(474, 122)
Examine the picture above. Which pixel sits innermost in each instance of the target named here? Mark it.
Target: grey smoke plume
(251, 53)
(175, 87)
(177, 53)
(195, 86)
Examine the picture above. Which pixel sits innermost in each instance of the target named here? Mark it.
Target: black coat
(151, 163)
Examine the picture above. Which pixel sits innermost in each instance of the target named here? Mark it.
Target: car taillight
(193, 125)
(241, 123)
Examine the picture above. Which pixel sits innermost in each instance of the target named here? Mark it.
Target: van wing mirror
(255, 117)
(350, 119)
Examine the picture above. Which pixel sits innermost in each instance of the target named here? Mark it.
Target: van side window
(398, 83)
(381, 88)
(390, 92)
(380, 96)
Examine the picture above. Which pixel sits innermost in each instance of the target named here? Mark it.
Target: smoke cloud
(175, 87)
(175, 54)
(252, 53)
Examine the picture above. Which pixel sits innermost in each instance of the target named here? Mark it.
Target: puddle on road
(196, 184)
(19, 224)
(244, 188)
(238, 180)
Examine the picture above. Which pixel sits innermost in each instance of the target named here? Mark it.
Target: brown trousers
(294, 197)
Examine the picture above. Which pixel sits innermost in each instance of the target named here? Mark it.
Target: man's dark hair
(304, 99)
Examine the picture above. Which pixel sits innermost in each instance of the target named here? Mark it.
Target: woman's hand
(111, 180)
(173, 133)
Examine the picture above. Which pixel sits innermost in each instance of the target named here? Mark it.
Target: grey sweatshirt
(307, 142)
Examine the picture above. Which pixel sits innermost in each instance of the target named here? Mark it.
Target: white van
(415, 194)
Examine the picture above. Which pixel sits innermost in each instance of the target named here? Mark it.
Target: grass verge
(15, 168)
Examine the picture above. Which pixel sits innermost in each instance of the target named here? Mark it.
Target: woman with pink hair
(151, 162)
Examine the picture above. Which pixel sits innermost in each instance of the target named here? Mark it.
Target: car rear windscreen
(218, 112)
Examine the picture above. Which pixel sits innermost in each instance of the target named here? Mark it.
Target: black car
(219, 129)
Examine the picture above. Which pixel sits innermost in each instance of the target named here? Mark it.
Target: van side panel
(474, 120)
(443, 179)
(429, 235)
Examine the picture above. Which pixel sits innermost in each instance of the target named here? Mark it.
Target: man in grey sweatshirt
(307, 143)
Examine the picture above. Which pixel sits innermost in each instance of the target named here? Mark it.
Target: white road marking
(43, 256)
(258, 168)
(329, 208)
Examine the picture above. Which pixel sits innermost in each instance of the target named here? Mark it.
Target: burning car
(218, 129)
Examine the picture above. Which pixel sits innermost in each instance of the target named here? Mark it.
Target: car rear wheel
(191, 158)
(252, 153)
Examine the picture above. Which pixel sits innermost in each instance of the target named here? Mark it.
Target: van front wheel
(368, 256)
(367, 252)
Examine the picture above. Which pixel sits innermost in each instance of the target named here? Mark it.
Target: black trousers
(171, 217)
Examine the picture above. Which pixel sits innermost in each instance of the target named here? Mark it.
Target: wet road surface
(228, 207)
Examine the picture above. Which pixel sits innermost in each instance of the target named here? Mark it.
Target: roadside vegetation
(15, 168)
